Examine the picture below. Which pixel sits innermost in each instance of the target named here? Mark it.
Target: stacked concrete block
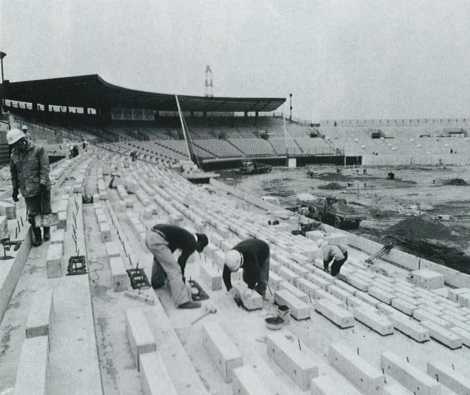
(294, 361)
(368, 316)
(211, 276)
(404, 305)
(251, 299)
(247, 382)
(410, 327)
(427, 279)
(112, 249)
(119, 277)
(222, 350)
(40, 314)
(447, 376)
(425, 315)
(31, 373)
(57, 236)
(284, 285)
(338, 315)
(408, 375)
(364, 376)
(442, 334)
(141, 339)
(55, 254)
(298, 309)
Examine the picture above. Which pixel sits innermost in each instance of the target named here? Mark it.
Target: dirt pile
(332, 186)
(419, 228)
(455, 181)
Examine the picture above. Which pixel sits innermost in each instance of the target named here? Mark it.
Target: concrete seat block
(404, 306)
(453, 294)
(336, 314)
(364, 376)
(62, 218)
(410, 327)
(318, 281)
(274, 281)
(381, 294)
(298, 309)
(40, 314)
(371, 318)
(57, 236)
(339, 293)
(307, 287)
(105, 232)
(211, 276)
(447, 376)
(251, 299)
(294, 291)
(247, 382)
(154, 376)
(31, 374)
(113, 248)
(222, 349)
(464, 334)
(425, 315)
(442, 334)
(327, 385)
(427, 279)
(408, 375)
(288, 274)
(119, 277)
(295, 362)
(140, 336)
(54, 260)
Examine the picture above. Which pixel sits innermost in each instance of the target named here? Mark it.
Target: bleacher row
(59, 350)
(303, 287)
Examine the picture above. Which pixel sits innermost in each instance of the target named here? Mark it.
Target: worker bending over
(334, 256)
(251, 255)
(29, 167)
(162, 240)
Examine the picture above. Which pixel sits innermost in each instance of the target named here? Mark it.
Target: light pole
(2, 101)
(2, 55)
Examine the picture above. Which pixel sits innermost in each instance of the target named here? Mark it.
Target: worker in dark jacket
(29, 167)
(162, 240)
(334, 256)
(251, 255)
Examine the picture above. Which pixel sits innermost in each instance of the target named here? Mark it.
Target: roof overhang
(93, 91)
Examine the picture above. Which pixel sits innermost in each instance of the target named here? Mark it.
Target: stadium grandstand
(215, 132)
(398, 326)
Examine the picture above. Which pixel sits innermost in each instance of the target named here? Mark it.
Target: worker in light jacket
(164, 239)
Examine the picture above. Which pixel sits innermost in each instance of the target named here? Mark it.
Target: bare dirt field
(424, 193)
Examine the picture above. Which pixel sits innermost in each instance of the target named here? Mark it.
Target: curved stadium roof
(92, 91)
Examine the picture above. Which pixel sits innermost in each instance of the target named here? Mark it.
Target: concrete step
(153, 375)
(447, 376)
(298, 309)
(40, 314)
(31, 375)
(364, 376)
(297, 363)
(408, 375)
(338, 315)
(222, 349)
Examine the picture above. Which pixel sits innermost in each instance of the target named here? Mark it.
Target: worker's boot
(36, 235)
(46, 233)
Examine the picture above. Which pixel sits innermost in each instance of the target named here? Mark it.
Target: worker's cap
(202, 241)
(233, 260)
(24, 128)
(14, 135)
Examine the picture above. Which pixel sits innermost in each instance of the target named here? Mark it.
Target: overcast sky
(340, 59)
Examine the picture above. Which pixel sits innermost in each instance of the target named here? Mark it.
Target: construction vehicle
(250, 167)
(332, 211)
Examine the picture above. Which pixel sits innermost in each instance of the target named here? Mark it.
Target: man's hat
(14, 135)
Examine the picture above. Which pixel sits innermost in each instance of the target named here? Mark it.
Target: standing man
(29, 167)
(162, 240)
(334, 256)
(251, 255)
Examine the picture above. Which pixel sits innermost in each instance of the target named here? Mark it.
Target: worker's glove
(14, 195)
